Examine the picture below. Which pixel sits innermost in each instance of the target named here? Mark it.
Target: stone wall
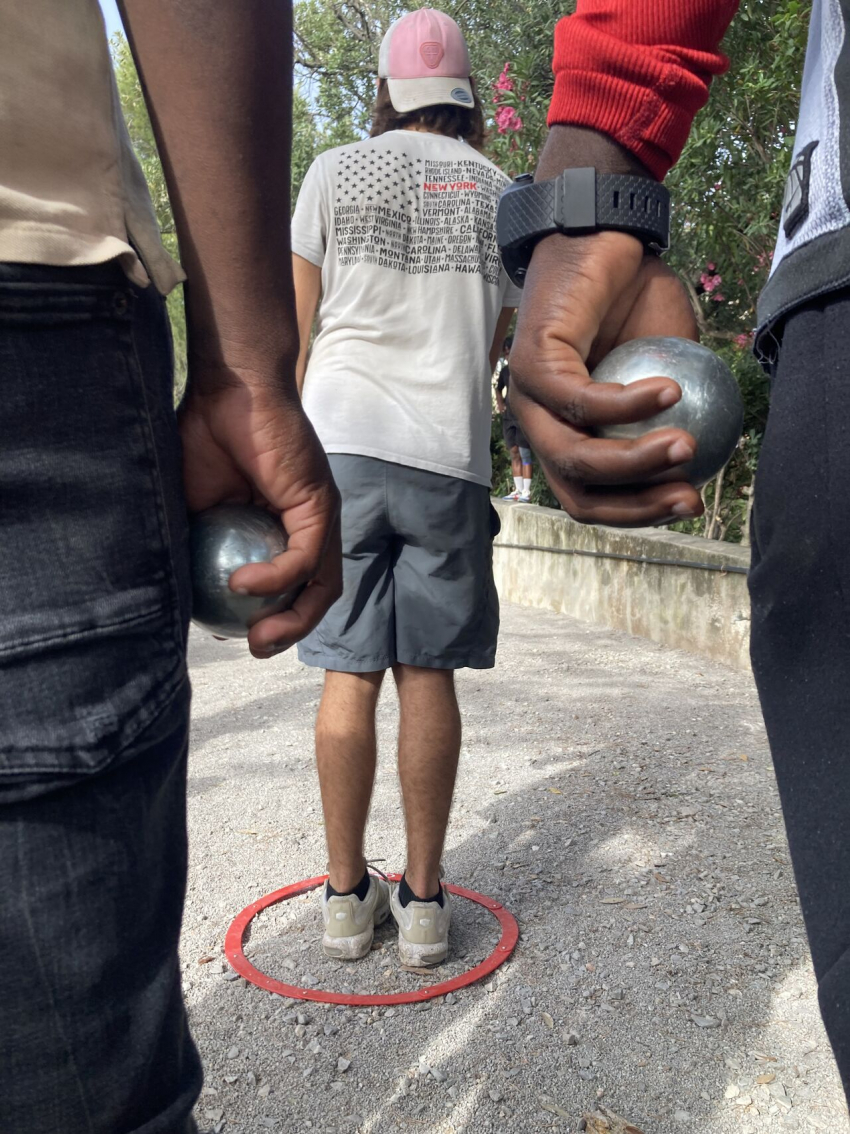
(696, 599)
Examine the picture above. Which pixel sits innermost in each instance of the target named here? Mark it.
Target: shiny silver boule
(220, 540)
(711, 408)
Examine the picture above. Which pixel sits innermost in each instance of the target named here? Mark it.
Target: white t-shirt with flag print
(403, 228)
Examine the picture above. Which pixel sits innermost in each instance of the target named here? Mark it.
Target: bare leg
(346, 752)
(516, 462)
(428, 751)
(527, 472)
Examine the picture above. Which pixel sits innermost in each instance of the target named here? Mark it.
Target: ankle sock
(360, 890)
(406, 895)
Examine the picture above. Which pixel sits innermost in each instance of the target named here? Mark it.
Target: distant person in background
(515, 440)
(396, 237)
(95, 480)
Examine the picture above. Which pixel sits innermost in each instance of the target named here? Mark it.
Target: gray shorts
(417, 572)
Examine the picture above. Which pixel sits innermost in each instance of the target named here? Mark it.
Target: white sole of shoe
(421, 956)
(356, 947)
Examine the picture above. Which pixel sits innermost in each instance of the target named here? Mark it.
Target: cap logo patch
(460, 95)
(432, 53)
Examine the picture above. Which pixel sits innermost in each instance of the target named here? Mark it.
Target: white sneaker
(524, 498)
(511, 496)
(350, 923)
(423, 930)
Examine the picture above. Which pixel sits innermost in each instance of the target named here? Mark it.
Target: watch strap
(578, 202)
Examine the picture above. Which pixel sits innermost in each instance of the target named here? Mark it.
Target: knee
(416, 678)
(361, 688)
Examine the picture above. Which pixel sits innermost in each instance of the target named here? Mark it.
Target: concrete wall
(704, 611)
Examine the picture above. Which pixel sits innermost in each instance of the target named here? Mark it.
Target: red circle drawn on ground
(238, 960)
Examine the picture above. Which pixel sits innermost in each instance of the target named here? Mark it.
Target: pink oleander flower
(503, 83)
(710, 267)
(507, 119)
(709, 282)
(742, 342)
(718, 298)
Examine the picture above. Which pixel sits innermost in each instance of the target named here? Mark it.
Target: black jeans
(94, 706)
(800, 589)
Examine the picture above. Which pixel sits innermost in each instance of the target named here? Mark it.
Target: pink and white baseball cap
(425, 60)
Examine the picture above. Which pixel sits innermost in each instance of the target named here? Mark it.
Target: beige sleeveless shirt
(71, 189)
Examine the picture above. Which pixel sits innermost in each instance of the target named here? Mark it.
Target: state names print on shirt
(416, 215)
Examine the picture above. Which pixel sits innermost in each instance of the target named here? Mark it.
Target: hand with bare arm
(217, 77)
(629, 79)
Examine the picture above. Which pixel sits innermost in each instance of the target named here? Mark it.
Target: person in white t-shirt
(394, 243)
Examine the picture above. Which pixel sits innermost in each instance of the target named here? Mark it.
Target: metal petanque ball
(220, 540)
(711, 408)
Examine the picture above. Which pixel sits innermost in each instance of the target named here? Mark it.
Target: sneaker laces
(372, 864)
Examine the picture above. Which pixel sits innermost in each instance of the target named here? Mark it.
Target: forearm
(217, 81)
(636, 73)
(308, 292)
(502, 324)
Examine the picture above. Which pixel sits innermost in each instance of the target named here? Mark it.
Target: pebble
(343, 1064)
(302, 1019)
(231, 975)
(330, 1029)
(439, 1075)
(233, 1053)
(681, 1116)
(705, 1021)
(264, 1091)
(495, 1094)
(732, 1091)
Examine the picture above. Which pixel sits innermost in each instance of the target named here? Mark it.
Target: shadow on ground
(618, 798)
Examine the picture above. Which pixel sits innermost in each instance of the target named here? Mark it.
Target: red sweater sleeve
(639, 70)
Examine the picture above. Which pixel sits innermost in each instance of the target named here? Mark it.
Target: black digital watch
(575, 203)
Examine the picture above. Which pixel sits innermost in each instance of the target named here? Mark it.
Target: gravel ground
(618, 798)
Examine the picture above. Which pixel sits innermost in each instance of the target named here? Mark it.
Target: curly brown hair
(453, 121)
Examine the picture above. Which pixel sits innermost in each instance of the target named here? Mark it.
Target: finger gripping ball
(221, 539)
(711, 408)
